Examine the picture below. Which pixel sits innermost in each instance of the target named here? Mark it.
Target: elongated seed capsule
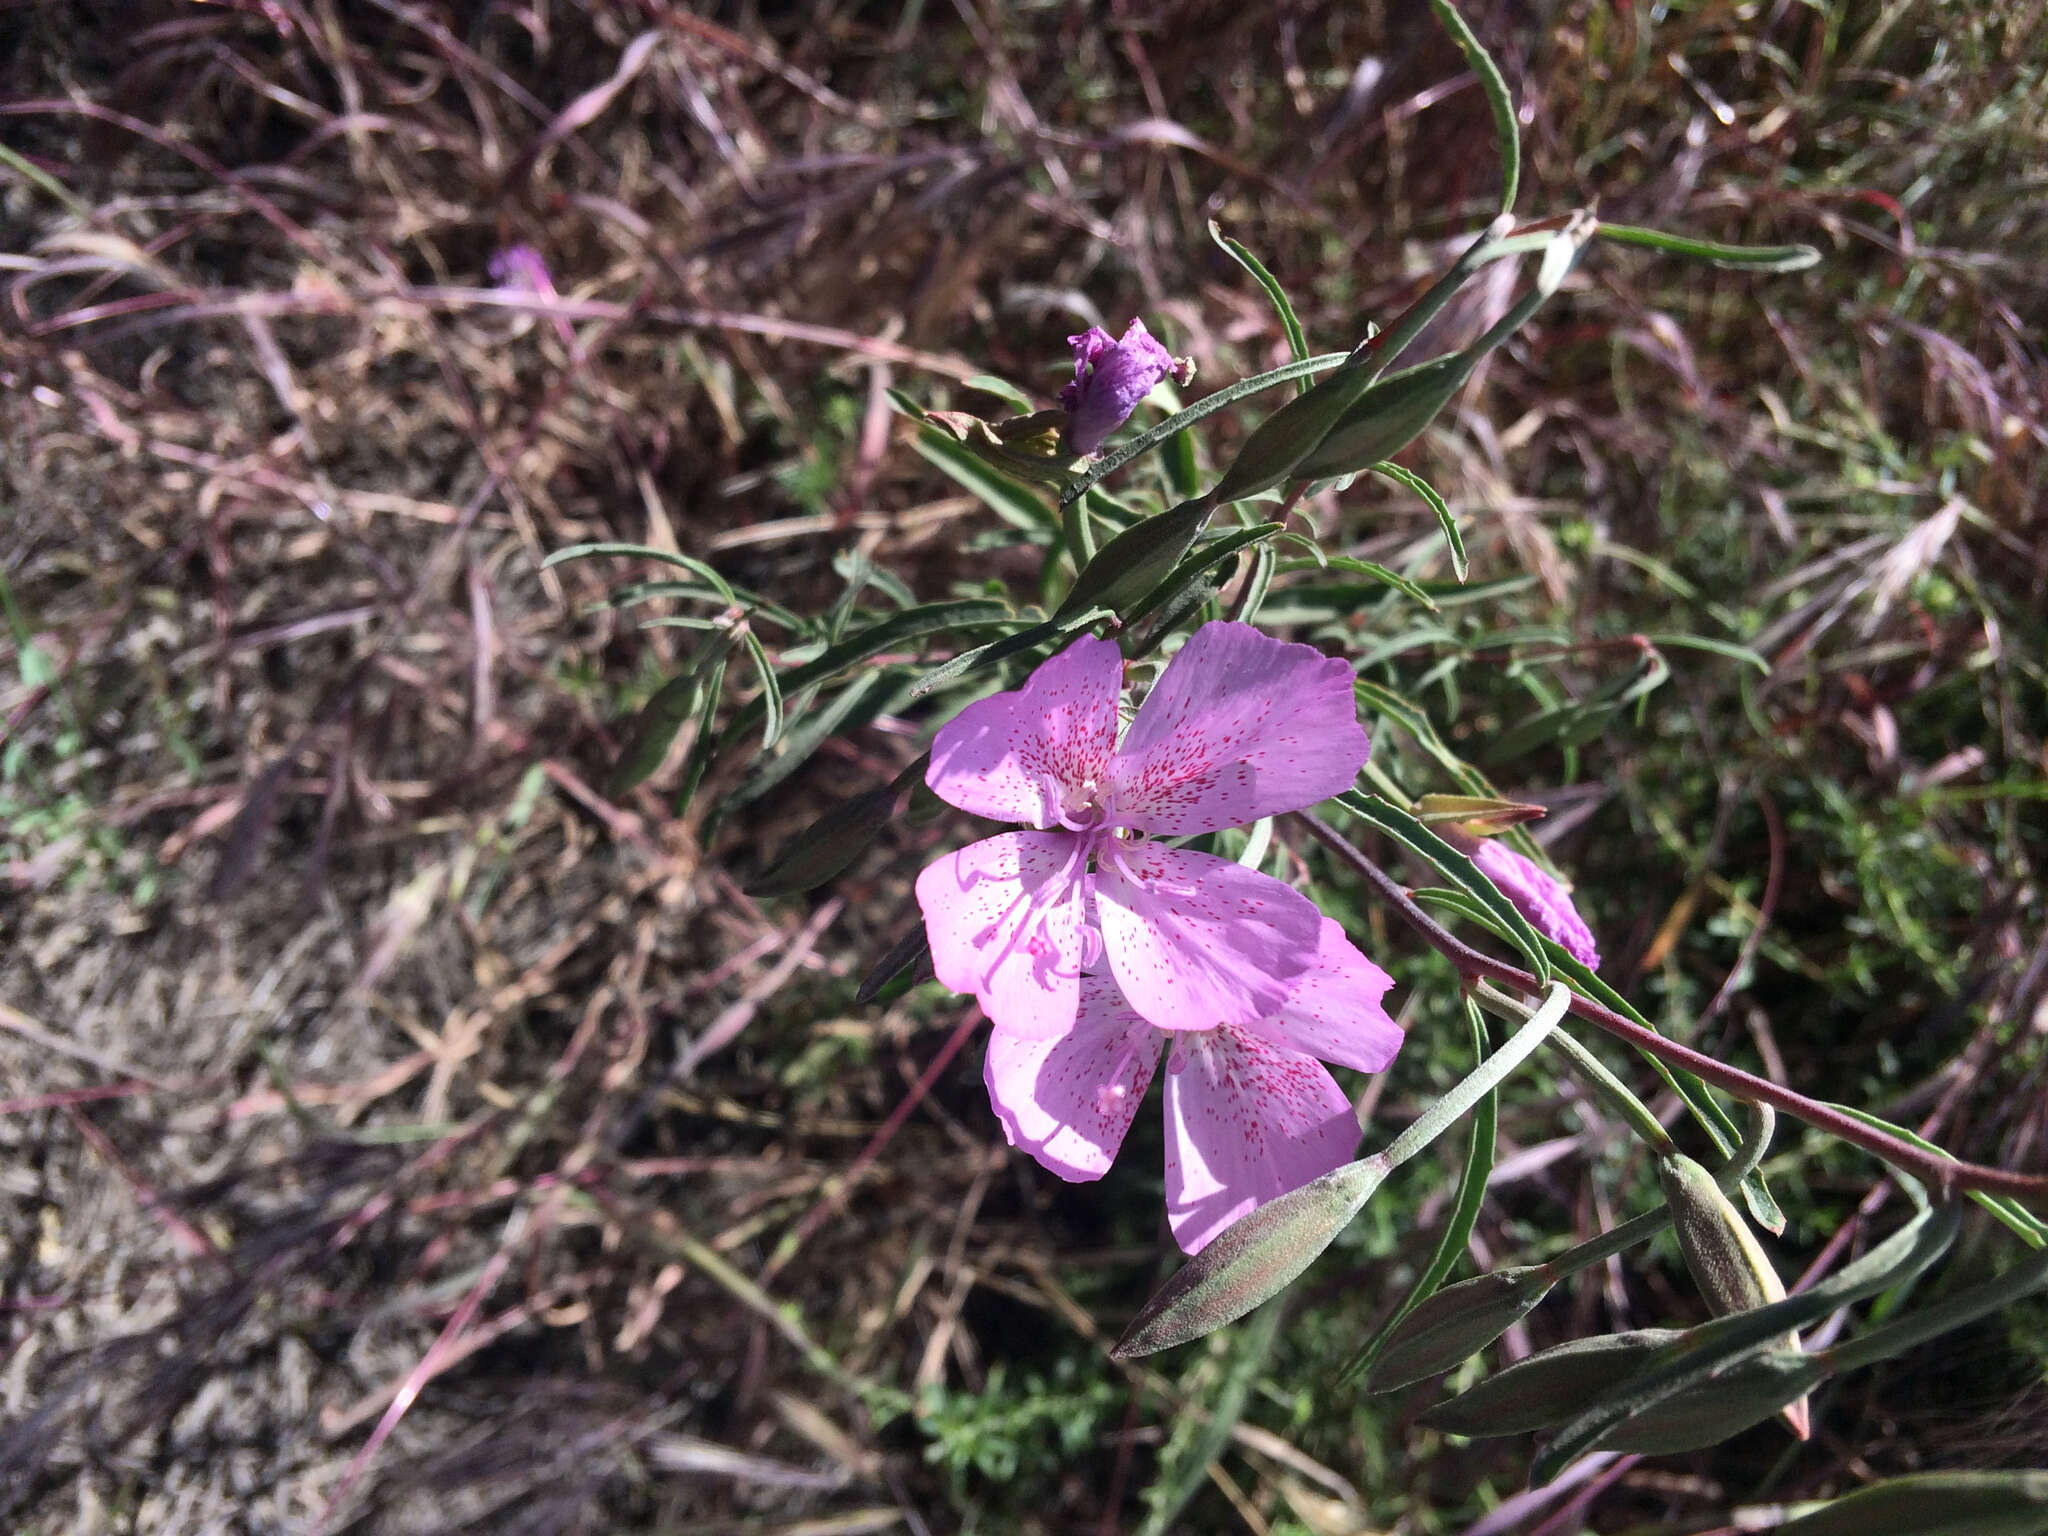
(1727, 1262)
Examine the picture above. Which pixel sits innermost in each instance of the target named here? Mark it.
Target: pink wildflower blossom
(1250, 1112)
(1240, 726)
(1110, 378)
(1537, 894)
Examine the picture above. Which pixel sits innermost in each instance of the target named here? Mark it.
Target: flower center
(1082, 807)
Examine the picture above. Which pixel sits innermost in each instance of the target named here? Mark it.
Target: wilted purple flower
(1250, 1111)
(1538, 895)
(1238, 727)
(1111, 377)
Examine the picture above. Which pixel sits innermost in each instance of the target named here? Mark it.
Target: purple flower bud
(1539, 897)
(1110, 378)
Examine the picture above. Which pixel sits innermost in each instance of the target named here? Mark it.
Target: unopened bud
(1937, 1504)
(1727, 1262)
(1745, 1393)
(1456, 1323)
(1478, 815)
(1550, 1386)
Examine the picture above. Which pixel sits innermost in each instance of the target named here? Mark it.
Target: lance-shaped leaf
(1258, 1255)
(824, 849)
(1456, 1323)
(1196, 566)
(1134, 562)
(1936, 1504)
(1385, 418)
(1738, 1396)
(1549, 1386)
(1757, 258)
(913, 948)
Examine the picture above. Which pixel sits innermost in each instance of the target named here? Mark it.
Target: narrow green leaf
(1384, 418)
(642, 552)
(988, 655)
(1371, 570)
(771, 691)
(1728, 648)
(1549, 1386)
(1208, 405)
(824, 849)
(661, 718)
(1002, 389)
(1757, 258)
(855, 705)
(2011, 1503)
(1497, 98)
(1459, 869)
(1421, 487)
(702, 748)
(1297, 343)
(1191, 570)
(898, 958)
(2029, 1227)
(1134, 562)
(1705, 1108)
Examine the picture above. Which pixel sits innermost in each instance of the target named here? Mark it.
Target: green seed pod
(1937, 1504)
(1749, 1391)
(1387, 417)
(1456, 1323)
(1727, 1262)
(1548, 1387)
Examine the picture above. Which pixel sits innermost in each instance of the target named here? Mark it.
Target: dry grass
(403, 1135)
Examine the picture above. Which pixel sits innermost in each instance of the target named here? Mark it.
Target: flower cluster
(1091, 943)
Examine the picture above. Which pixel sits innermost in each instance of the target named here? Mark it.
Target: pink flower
(1538, 895)
(1110, 378)
(1240, 726)
(1250, 1113)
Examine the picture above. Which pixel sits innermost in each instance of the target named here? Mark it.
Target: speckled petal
(1335, 1012)
(1004, 917)
(1539, 897)
(1069, 1100)
(1007, 756)
(1240, 726)
(1246, 1122)
(1196, 941)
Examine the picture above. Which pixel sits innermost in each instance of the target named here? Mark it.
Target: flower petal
(1004, 917)
(1335, 1012)
(1240, 726)
(1540, 897)
(1246, 1122)
(1009, 755)
(1068, 1100)
(1197, 941)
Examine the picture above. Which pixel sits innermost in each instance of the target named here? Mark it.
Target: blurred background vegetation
(400, 1131)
